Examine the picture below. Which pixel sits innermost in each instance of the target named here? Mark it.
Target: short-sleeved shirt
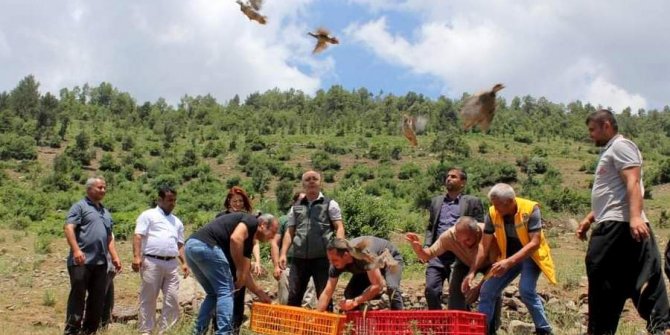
(447, 242)
(376, 246)
(609, 198)
(513, 242)
(218, 232)
(161, 233)
(334, 211)
(92, 229)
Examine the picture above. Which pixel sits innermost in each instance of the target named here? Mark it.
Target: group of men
(462, 239)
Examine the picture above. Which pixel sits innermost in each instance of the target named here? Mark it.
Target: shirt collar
(609, 143)
(90, 202)
(448, 199)
(160, 210)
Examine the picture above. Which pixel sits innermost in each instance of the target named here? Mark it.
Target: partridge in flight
(408, 129)
(480, 109)
(251, 11)
(322, 39)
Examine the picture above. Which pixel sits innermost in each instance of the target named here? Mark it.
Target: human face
(503, 206)
(168, 202)
(268, 232)
(453, 181)
(97, 191)
(599, 133)
(467, 238)
(339, 262)
(311, 181)
(236, 203)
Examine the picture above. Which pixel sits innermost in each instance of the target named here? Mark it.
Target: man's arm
(182, 259)
(428, 235)
(424, 254)
(286, 244)
(585, 225)
(480, 260)
(137, 252)
(256, 267)
(236, 251)
(499, 268)
(262, 296)
(274, 254)
(376, 284)
(78, 256)
(477, 210)
(338, 225)
(631, 177)
(111, 246)
(327, 293)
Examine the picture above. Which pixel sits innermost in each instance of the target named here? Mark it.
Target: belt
(163, 258)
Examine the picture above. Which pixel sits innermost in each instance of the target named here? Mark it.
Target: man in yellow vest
(516, 226)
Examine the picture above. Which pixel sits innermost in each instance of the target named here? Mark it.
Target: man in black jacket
(444, 212)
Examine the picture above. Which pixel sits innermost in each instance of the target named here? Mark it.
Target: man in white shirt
(158, 242)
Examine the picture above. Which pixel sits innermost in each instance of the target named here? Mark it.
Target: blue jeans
(492, 288)
(211, 268)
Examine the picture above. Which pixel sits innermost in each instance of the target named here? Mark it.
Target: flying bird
(408, 127)
(322, 39)
(251, 11)
(383, 261)
(480, 109)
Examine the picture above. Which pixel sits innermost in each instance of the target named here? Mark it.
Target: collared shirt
(161, 233)
(609, 196)
(449, 214)
(334, 211)
(93, 229)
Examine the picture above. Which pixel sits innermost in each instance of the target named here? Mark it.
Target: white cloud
(158, 48)
(563, 50)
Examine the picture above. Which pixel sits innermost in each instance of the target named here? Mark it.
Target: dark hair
(239, 191)
(601, 116)
(340, 245)
(461, 173)
(163, 190)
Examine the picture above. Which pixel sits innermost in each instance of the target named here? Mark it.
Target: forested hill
(51, 144)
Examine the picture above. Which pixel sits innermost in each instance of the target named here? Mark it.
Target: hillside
(50, 145)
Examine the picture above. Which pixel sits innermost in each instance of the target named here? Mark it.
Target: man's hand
(185, 270)
(472, 294)
(282, 262)
(264, 297)
(79, 257)
(347, 304)
(137, 264)
(117, 265)
(500, 267)
(256, 269)
(467, 281)
(277, 273)
(582, 229)
(413, 239)
(639, 229)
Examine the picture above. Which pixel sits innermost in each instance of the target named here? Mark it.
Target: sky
(612, 53)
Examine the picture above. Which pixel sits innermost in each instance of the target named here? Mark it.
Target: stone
(517, 327)
(510, 291)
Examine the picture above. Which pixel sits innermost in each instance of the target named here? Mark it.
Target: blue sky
(168, 48)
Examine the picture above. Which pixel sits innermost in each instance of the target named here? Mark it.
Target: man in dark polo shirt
(88, 231)
(372, 261)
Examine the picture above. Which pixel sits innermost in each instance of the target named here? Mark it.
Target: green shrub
(284, 195)
(523, 138)
(49, 298)
(43, 245)
(19, 223)
(360, 171)
(322, 161)
(332, 148)
(13, 146)
(364, 214)
(409, 171)
(108, 163)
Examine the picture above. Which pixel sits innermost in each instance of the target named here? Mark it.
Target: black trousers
(359, 282)
(619, 268)
(106, 318)
(301, 270)
(437, 272)
(238, 308)
(88, 285)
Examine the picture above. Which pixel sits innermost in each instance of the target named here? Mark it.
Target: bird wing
(320, 46)
(471, 111)
(256, 4)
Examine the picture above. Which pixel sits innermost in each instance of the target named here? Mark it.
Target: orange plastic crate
(286, 320)
(415, 322)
